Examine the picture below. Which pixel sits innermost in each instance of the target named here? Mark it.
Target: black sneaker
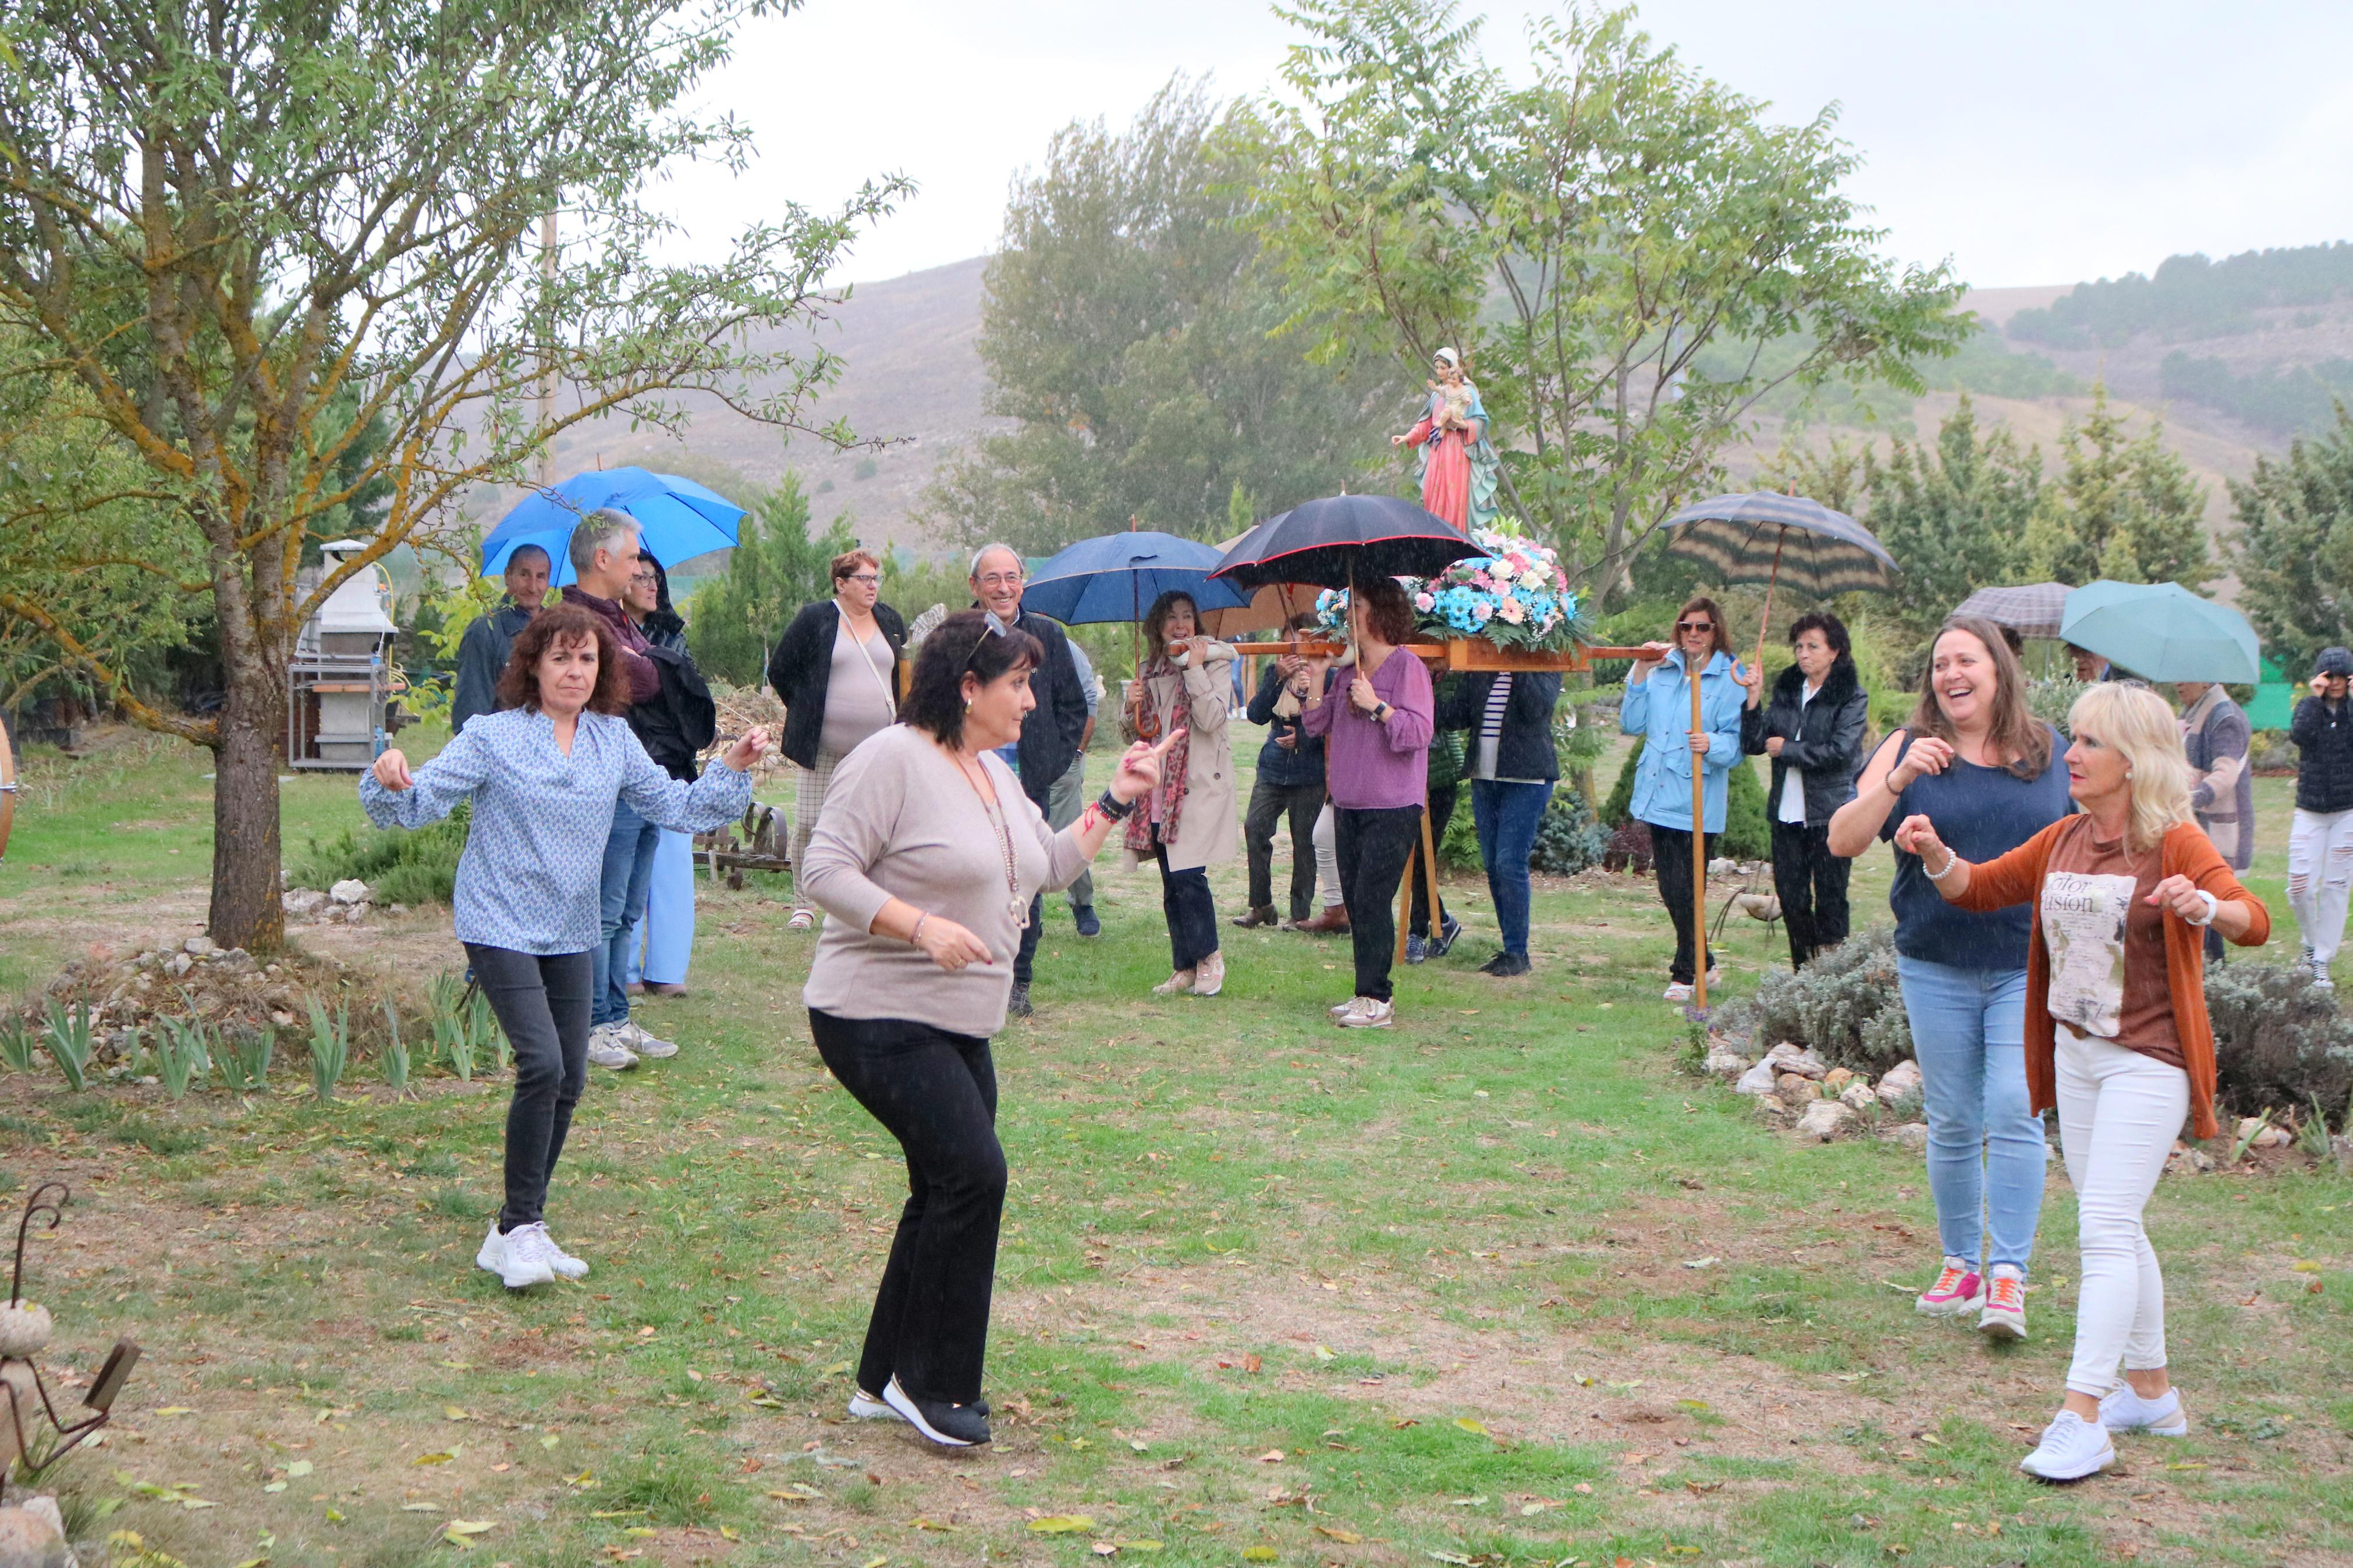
(950, 1426)
(1505, 965)
(1417, 948)
(1085, 916)
(1449, 929)
(1018, 1005)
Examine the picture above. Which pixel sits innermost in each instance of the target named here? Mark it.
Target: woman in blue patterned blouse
(543, 774)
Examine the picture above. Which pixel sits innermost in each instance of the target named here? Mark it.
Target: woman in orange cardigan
(2116, 1034)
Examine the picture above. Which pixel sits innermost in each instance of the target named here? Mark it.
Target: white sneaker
(865, 1407)
(562, 1262)
(2122, 1410)
(1211, 977)
(646, 1045)
(1365, 1013)
(2071, 1448)
(1342, 1009)
(513, 1258)
(609, 1046)
(2320, 980)
(1677, 991)
(1177, 984)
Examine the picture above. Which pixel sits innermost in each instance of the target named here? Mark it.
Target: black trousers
(1441, 812)
(1811, 884)
(1371, 846)
(542, 1004)
(1191, 913)
(1269, 804)
(1671, 857)
(937, 1093)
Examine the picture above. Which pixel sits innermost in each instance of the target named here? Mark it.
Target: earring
(967, 704)
(2127, 770)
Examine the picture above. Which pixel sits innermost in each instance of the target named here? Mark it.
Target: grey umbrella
(2031, 609)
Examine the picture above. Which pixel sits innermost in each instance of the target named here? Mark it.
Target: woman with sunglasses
(836, 670)
(1657, 707)
(928, 860)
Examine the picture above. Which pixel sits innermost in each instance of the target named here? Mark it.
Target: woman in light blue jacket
(1657, 707)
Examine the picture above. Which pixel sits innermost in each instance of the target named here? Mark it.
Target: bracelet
(1951, 861)
(916, 937)
(1111, 805)
(2214, 905)
(1890, 782)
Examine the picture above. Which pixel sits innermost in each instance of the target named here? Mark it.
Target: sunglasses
(1694, 625)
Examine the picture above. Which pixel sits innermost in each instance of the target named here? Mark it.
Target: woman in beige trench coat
(1187, 822)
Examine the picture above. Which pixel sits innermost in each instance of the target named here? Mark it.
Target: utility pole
(547, 350)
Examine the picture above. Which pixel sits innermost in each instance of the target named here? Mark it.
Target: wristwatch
(1380, 712)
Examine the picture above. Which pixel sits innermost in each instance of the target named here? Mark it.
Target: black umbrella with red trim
(1331, 543)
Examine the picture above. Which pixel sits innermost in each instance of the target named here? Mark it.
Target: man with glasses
(1052, 733)
(603, 559)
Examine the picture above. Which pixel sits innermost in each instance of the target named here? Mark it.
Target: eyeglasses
(1000, 580)
(869, 577)
(1687, 627)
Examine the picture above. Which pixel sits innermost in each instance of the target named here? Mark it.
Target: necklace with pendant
(1015, 904)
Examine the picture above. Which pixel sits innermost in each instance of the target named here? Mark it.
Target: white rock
(1857, 1095)
(1769, 1107)
(1911, 1134)
(1900, 1083)
(350, 890)
(1825, 1120)
(2272, 1138)
(303, 901)
(1723, 1064)
(200, 946)
(1757, 1079)
(180, 964)
(397, 910)
(1720, 868)
(1788, 1057)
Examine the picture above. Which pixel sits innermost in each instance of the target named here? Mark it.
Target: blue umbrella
(2162, 631)
(677, 519)
(1117, 576)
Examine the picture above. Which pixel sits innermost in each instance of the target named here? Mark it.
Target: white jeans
(1328, 859)
(2119, 1112)
(2319, 875)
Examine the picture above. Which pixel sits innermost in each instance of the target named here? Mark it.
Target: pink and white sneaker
(1959, 1289)
(2005, 1305)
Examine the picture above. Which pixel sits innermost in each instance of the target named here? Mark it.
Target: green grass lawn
(1500, 1285)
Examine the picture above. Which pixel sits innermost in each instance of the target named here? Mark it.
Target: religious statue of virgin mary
(1453, 458)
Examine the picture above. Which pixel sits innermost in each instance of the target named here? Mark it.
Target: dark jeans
(1671, 857)
(1371, 846)
(1269, 802)
(1811, 882)
(1186, 904)
(1441, 812)
(1507, 815)
(621, 904)
(542, 1004)
(937, 1093)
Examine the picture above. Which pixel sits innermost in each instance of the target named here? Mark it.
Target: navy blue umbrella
(677, 519)
(1117, 576)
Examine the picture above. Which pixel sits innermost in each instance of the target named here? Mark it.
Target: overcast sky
(2030, 142)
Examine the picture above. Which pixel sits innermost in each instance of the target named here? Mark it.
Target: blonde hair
(2138, 725)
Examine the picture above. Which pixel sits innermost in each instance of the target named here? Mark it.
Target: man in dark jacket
(483, 651)
(1813, 730)
(2321, 841)
(603, 559)
(1290, 782)
(1050, 734)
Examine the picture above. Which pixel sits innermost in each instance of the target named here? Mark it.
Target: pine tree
(1952, 515)
(775, 567)
(2122, 508)
(2293, 551)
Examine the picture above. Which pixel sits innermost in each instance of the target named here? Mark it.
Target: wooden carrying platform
(1458, 654)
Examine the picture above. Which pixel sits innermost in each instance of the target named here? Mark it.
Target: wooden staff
(1699, 849)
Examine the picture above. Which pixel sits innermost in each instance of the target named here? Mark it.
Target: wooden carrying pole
(1427, 854)
(1699, 851)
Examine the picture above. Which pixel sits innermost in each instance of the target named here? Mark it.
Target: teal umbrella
(2162, 631)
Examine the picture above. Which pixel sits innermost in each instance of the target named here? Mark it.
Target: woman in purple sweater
(1376, 731)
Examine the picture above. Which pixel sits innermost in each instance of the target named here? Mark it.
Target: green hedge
(1748, 831)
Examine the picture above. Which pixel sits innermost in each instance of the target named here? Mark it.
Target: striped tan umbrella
(2030, 609)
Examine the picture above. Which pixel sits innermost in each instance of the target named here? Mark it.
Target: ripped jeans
(2319, 874)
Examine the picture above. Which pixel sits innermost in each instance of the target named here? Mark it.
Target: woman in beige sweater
(927, 855)
(1186, 823)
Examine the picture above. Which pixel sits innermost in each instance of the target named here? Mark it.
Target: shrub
(2279, 1044)
(1568, 839)
(401, 866)
(1747, 832)
(1618, 809)
(2051, 698)
(1845, 1005)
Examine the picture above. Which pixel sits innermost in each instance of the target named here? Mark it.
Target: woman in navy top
(543, 774)
(1973, 755)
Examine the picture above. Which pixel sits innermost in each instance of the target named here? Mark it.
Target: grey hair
(600, 530)
(981, 554)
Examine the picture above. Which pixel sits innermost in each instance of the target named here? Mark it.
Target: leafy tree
(1596, 240)
(1129, 329)
(1953, 514)
(2121, 508)
(2293, 550)
(262, 240)
(776, 566)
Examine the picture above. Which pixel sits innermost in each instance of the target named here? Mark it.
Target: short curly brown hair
(1388, 614)
(570, 625)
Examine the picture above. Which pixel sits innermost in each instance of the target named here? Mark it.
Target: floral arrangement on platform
(1513, 596)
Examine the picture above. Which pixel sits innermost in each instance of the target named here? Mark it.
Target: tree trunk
(247, 912)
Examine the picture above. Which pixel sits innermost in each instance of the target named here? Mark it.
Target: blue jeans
(629, 872)
(1986, 1150)
(1507, 816)
(659, 947)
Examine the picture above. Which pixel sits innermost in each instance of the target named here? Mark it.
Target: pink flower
(1423, 601)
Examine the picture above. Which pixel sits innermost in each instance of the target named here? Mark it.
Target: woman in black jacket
(835, 669)
(1510, 762)
(1813, 730)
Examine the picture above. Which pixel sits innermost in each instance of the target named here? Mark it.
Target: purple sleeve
(1413, 711)
(1317, 719)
